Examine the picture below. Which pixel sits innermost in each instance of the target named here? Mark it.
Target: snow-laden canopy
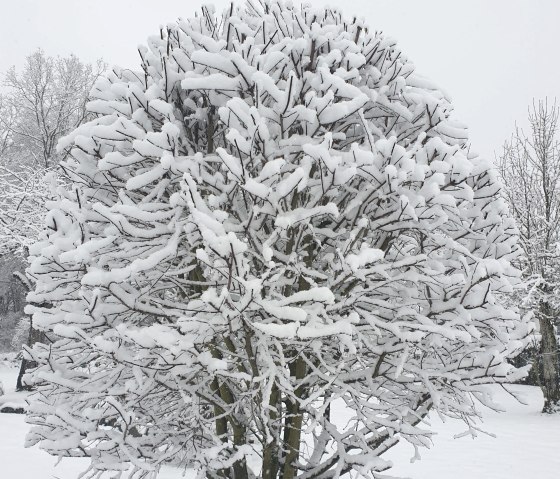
(275, 214)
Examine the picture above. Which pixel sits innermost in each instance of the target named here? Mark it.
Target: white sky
(492, 56)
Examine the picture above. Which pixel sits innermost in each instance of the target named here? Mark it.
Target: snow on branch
(273, 219)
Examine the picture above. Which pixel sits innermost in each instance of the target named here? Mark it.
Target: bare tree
(22, 204)
(530, 169)
(7, 118)
(44, 101)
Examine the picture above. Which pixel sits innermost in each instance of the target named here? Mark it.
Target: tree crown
(274, 217)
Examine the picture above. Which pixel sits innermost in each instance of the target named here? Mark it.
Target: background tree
(25, 191)
(44, 102)
(12, 300)
(530, 168)
(272, 221)
(39, 104)
(7, 116)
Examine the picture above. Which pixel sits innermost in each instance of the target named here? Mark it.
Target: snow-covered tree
(25, 190)
(42, 102)
(530, 168)
(12, 298)
(277, 256)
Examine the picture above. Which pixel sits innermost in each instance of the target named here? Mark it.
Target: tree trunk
(270, 452)
(35, 336)
(294, 421)
(220, 426)
(240, 438)
(221, 391)
(549, 357)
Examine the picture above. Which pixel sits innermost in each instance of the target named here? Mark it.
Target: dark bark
(271, 451)
(549, 357)
(223, 394)
(294, 422)
(35, 336)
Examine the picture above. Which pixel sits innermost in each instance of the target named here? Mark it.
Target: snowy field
(527, 446)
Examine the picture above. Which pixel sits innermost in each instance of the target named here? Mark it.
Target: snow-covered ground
(527, 446)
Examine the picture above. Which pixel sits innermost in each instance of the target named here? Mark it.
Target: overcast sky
(492, 56)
